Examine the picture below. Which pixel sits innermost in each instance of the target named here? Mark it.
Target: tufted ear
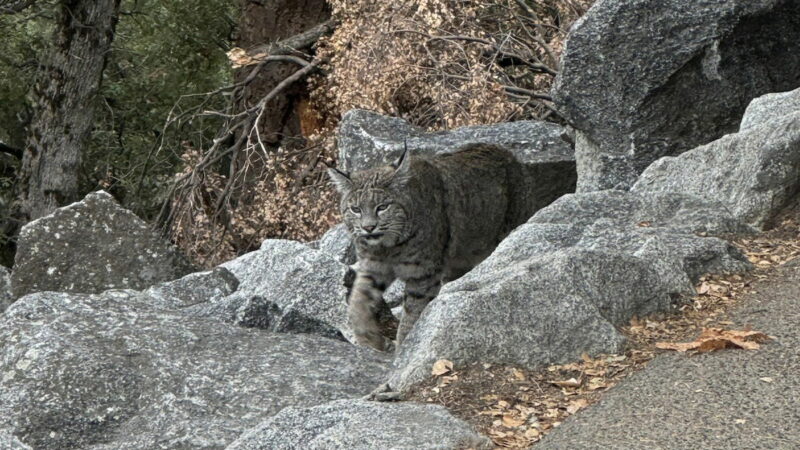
(341, 180)
(402, 166)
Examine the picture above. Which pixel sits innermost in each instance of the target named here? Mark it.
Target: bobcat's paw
(383, 393)
(376, 340)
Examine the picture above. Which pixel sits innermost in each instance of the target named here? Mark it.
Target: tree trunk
(271, 21)
(66, 84)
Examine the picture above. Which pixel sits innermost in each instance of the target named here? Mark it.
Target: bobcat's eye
(355, 210)
(382, 207)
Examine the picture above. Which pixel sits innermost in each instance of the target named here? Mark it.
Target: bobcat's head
(374, 205)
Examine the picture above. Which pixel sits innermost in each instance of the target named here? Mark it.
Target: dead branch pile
(437, 63)
(444, 63)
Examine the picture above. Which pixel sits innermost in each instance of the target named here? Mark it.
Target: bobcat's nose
(368, 228)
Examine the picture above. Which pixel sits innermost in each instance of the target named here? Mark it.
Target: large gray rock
(642, 79)
(214, 295)
(10, 442)
(280, 264)
(680, 213)
(119, 371)
(667, 230)
(90, 246)
(770, 108)
(531, 314)
(366, 139)
(286, 286)
(563, 282)
(194, 289)
(338, 243)
(361, 425)
(6, 297)
(754, 173)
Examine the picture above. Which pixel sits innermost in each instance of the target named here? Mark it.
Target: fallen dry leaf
(577, 405)
(532, 433)
(511, 421)
(571, 383)
(448, 379)
(595, 372)
(596, 383)
(719, 290)
(712, 339)
(441, 367)
(570, 366)
(617, 358)
(552, 413)
(524, 410)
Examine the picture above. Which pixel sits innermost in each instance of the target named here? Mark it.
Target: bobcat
(426, 221)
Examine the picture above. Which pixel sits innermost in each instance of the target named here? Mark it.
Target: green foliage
(162, 51)
(24, 39)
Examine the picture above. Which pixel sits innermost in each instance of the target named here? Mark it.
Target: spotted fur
(426, 221)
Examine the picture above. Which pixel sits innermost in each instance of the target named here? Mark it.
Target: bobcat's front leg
(362, 308)
(419, 292)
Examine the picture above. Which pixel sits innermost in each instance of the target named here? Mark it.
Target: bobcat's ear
(341, 180)
(402, 166)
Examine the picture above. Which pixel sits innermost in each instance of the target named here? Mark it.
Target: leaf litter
(712, 339)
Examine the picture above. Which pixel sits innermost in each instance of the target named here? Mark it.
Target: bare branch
(240, 57)
(508, 55)
(245, 126)
(511, 90)
(527, 93)
(284, 58)
(525, 7)
(539, 38)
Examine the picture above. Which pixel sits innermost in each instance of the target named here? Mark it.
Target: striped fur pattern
(426, 221)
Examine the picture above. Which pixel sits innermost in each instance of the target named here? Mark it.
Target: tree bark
(270, 21)
(67, 82)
